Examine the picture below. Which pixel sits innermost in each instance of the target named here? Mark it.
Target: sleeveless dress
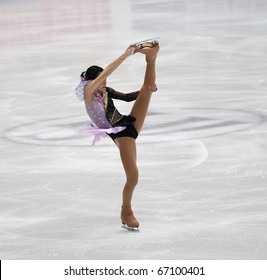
(106, 119)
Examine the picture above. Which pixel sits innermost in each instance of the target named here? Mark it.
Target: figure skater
(122, 129)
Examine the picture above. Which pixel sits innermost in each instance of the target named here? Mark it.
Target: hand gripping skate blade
(130, 228)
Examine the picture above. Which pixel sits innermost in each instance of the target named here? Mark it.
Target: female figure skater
(122, 129)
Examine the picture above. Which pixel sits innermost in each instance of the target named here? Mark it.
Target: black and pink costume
(107, 120)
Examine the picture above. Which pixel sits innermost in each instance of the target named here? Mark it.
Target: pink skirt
(100, 133)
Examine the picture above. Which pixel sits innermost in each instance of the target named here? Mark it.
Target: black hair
(92, 72)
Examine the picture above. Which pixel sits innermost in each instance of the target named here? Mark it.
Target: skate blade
(130, 228)
(147, 40)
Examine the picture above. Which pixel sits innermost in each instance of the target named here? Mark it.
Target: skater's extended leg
(141, 104)
(127, 149)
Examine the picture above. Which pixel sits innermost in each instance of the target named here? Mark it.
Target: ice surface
(202, 153)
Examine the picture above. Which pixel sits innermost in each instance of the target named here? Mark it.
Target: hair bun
(83, 76)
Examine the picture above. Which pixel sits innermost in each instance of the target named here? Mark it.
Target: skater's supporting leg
(127, 149)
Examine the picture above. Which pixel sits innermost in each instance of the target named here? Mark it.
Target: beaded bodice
(102, 110)
(97, 112)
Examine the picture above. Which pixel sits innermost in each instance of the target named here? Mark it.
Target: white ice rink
(202, 154)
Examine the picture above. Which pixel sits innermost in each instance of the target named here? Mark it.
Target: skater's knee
(132, 179)
(146, 88)
(149, 88)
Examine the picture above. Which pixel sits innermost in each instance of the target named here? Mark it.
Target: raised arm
(90, 88)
